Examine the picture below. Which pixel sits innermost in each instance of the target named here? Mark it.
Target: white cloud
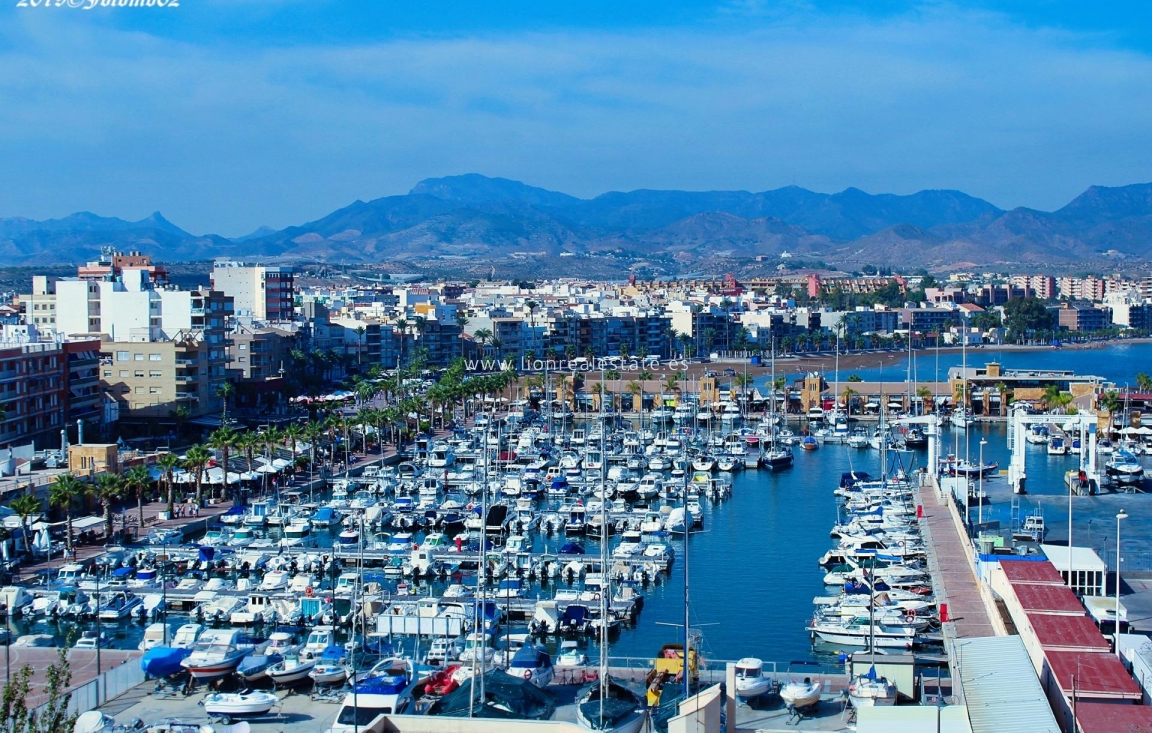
(226, 138)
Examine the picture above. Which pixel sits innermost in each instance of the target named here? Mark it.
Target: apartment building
(1083, 317)
(83, 392)
(150, 378)
(33, 392)
(262, 293)
(40, 304)
(1042, 286)
(257, 353)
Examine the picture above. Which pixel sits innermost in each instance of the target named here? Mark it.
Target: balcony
(187, 396)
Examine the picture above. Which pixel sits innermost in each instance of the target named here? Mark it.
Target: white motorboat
(229, 705)
(800, 694)
(215, 654)
(871, 690)
(293, 668)
(571, 655)
(750, 679)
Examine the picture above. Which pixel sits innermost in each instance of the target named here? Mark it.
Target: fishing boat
(750, 679)
(331, 668)
(808, 442)
(229, 705)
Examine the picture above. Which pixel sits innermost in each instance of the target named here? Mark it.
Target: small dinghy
(290, 670)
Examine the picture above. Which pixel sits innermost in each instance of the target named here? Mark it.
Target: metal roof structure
(1048, 599)
(1104, 717)
(1030, 571)
(1096, 676)
(1067, 633)
(1000, 687)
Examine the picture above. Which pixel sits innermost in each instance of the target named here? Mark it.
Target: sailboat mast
(687, 633)
(605, 584)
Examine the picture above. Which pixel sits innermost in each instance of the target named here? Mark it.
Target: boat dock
(954, 580)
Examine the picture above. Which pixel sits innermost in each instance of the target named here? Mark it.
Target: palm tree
(1111, 402)
(359, 344)
(223, 440)
(848, 394)
(26, 506)
(1144, 382)
(181, 415)
(168, 463)
(636, 388)
(63, 492)
(224, 391)
(293, 432)
(402, 327)
(106, 490)
(136, 480)
(196, 460)
(365, 391)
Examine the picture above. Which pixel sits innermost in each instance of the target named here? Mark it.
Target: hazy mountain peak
(473, 188)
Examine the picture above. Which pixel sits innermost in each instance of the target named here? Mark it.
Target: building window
(107, 372)
(154, 357)
(243, 359)
(139, 390)
(155, 373)
(243, 347)
(121, 356)
(153, 390)
(123, 373)
(139, 373)
(137, 357)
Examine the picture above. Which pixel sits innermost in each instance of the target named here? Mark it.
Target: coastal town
(274, 496)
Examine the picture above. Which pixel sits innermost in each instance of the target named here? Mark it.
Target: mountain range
(477, 217)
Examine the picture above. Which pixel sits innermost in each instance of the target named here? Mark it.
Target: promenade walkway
(953, 578)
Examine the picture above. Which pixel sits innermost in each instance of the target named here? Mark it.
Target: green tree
(1025, 315)
(224, 392)
(26, 506)
(168, 463)
(62, 494)
(196, 460)
(1143, 382)
(1111, 402)
(136, 480)
(223, 440)
(106, 489)
(53, 717)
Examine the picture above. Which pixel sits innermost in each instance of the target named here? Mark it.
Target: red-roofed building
(1048, 599)
(1031, 571)
(1103, 717)
(1095, 676)
(1066, 633)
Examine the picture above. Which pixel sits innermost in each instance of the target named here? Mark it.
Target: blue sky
(230, 114)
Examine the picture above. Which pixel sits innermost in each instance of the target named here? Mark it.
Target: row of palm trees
(68, 491)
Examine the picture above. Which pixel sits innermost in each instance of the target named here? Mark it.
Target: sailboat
(870, 689)
(607, 705)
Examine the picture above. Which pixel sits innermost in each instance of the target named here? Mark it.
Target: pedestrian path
(953, 579)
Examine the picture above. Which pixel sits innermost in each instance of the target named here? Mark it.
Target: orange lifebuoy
(308, 591)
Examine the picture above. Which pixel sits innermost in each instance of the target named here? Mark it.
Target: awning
(87, 523)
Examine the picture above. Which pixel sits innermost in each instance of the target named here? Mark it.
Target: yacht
(871, 690)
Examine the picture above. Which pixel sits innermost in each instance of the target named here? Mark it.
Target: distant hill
(474, 216)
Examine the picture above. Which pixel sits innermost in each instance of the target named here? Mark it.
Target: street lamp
(980, 493)
(1116, 633)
